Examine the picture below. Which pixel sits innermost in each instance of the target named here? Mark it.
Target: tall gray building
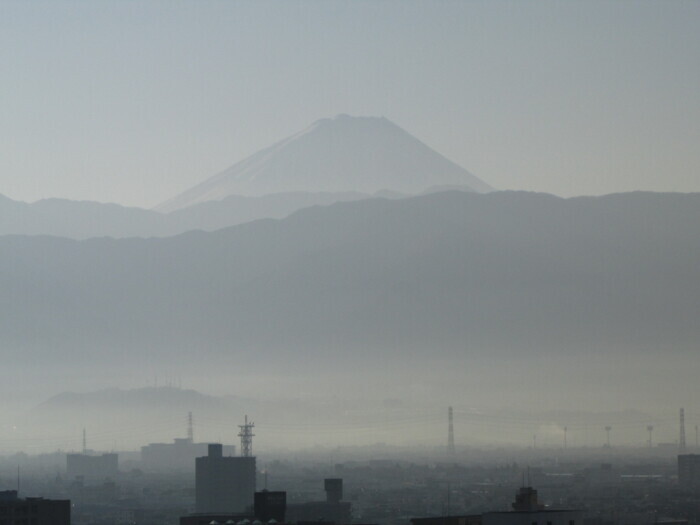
(689, 470)
(224, 484)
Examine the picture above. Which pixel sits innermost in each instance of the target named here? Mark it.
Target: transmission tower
(566, 429)
(681, 441)
(84, 441)
(190, 428)
(607, 431)
(650, 429)
(450, 433)
(246, 435)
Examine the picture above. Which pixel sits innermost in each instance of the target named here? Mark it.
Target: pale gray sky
(133, 102)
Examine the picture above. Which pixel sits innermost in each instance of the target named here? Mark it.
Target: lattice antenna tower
(681, 441)
(246, 435)
(84, 442)
(190, 428)
(450, 432)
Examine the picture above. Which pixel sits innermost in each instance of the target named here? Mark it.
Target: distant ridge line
(344, 153)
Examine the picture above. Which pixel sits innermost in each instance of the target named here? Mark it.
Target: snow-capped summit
(344, 153)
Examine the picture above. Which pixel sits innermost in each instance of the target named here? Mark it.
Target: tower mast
(246, 435)
(681, 441)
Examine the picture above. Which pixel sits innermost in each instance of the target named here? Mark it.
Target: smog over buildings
(445, 255)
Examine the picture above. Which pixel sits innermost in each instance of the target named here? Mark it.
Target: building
(689, 470)
(178, 455)
(92, 468)
(224, 484)
(334, 489)
(448, 520)
(270, 505)
(332, 509)
(527, 510)
(216, 518)
(34, 511)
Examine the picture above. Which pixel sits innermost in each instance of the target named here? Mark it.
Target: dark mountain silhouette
(84, 219)
(153, 398)
(450, 273)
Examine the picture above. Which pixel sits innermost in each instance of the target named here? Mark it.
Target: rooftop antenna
(681, 442)
(696, 436)
(246, 435)
(448, 498)
(18, 480)
(450, 433)
(84, 442)
(566, 429)
(190, 428)
(607, 431)
(650, 429)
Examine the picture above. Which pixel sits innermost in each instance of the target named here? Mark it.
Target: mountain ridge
(86, 219)
(344, 153)
(513, 286)
(338, 251)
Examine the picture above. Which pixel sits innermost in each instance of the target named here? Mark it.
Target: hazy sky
(133, 102)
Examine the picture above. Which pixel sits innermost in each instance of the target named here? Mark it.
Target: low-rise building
(32, 511)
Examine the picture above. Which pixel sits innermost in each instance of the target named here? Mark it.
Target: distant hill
(158, 398)
(335, 160)
(509, 271)
(135, 417)
(341, 154)
(503, 299)
(132, 418)
(84, 219)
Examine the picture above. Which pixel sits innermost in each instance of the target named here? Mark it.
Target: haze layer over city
(343, 218)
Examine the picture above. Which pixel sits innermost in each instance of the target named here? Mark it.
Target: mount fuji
(340, 154)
